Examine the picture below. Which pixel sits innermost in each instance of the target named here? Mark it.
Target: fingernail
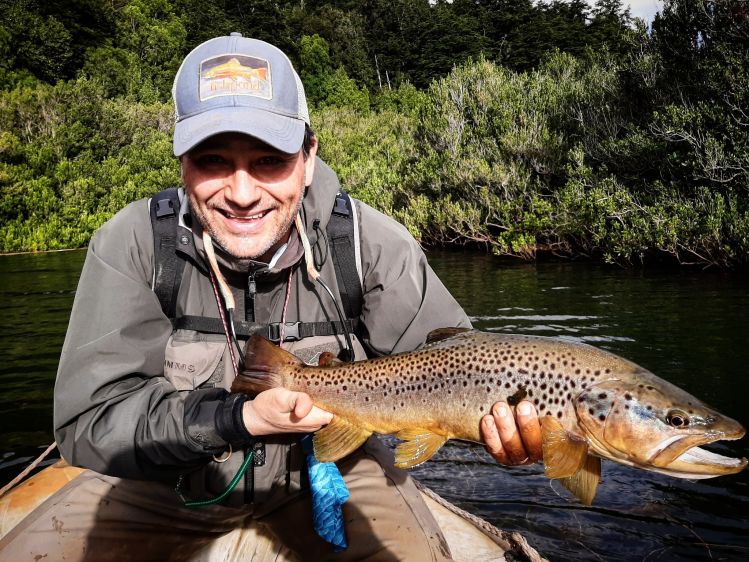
(501, 410)
(524, 409)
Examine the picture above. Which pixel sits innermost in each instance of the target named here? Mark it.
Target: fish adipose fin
(419, 445)
(263, 363)
(327, 359)
(338, 439)
(584, 482)
(443, 333)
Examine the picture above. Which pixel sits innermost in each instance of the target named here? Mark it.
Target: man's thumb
(302, 404)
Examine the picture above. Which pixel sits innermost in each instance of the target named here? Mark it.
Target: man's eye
(270, 161)
(211, 159)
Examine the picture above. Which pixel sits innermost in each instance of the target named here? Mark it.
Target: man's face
(246, 193)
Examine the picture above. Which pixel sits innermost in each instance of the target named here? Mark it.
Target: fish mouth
(684, 457)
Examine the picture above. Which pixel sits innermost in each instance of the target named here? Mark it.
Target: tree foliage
(519, 126)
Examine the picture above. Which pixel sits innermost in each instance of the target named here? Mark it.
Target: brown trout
(592, 404)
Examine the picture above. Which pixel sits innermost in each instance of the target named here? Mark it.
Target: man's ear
(309, 163)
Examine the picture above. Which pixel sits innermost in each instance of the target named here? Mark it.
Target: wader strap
(164, 209)
(293, 331)
(342, 244)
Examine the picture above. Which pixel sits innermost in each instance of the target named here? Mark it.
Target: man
(149, 405)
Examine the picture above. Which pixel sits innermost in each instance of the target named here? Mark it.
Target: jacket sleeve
(404, 299)
(114, 411)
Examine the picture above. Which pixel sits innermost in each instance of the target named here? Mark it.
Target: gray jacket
(137, 399)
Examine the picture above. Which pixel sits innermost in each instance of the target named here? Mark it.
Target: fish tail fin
(264, 365)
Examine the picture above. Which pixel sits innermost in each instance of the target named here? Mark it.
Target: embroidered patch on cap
(235, 75)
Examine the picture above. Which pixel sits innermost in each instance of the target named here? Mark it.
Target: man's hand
(509, 442)
(283, 411)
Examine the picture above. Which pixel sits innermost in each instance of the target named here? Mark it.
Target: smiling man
(245, 192)
(171, 289)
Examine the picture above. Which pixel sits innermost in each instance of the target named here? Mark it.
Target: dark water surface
(688, 327)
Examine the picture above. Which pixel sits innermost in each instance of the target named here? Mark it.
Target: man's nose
(243, 189)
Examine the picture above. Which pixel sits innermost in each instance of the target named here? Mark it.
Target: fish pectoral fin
(584, 482)
(564, 454)
(443, 333)
(418, 446)
(338, 439)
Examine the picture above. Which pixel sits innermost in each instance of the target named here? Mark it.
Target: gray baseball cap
(242, 85)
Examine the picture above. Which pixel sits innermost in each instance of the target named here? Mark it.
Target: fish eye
(677, 418)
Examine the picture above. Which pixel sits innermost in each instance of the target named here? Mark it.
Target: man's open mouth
(251, 217)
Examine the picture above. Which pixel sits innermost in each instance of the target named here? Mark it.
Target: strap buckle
(164, 208)
(291, 331)
(341, 208)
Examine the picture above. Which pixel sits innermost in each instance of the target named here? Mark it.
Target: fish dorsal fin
(264, 364)
(328, 359)
(584, 482)
(564, 454)
(337, 439)
(443, 333)
(418, 446)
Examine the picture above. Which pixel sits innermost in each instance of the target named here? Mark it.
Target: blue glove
(329, 493)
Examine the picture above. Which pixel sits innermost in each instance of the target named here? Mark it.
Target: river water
(687, 326)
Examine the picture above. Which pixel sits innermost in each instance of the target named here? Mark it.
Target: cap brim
(279, 131)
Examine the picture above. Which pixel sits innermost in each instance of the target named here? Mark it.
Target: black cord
(316, 249)
(346, 335)
(234, 337)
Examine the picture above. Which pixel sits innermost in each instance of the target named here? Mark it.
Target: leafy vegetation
(520, 127)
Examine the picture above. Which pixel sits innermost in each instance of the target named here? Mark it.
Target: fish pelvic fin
(418, 446)
(564, 454)
(338, 439)
(584, 483)
(263, 366)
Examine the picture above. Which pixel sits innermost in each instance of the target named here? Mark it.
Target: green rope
(222, 495)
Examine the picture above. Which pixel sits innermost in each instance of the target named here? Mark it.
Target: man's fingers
(492, 440)
(508, 434)
(530, 430)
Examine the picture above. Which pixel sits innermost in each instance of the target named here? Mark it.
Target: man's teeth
(248, 217)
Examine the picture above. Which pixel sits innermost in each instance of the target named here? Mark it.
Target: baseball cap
(242, 85)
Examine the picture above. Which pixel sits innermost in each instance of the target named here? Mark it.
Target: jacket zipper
(249, 308)
(249, 315)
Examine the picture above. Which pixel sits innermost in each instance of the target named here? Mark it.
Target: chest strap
(293, 331)
(343, 244)
(164, 209)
